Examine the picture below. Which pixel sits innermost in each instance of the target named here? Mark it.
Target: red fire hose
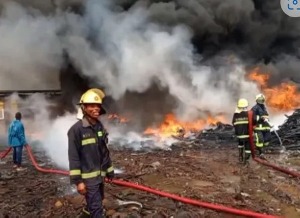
(157, 192)
(4, 154)
(292, 173)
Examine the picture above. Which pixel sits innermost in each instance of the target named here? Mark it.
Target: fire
(171, 126)
(284, 97)
(117, 117)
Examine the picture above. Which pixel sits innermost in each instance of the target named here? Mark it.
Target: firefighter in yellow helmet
(240, 122)
(89, 158)
(262, 131)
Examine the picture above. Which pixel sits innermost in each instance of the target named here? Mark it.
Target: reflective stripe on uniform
(88, 141)
(90, 175)
(266, 143)
(260, 127)
(110, 169)
(240, 122)
(75, 172)
(242, 136)
(248, 151)
(100, 133)
(93, 174)
(257, 143)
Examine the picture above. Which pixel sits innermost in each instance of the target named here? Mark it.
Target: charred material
(289, 132)
(220, 131)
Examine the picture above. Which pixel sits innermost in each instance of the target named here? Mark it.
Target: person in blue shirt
(17, 140)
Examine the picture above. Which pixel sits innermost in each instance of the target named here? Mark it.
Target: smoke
(29, 50)
(188, 57)
(135, 53)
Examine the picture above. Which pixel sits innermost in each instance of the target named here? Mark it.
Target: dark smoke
(257, 31)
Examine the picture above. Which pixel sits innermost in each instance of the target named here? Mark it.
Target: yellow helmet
(92, 96)
(260, 98)
(99, 92)
(242, 103)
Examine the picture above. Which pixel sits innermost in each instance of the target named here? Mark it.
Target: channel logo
(291, 7)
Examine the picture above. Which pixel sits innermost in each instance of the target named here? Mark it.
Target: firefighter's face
(93, 110)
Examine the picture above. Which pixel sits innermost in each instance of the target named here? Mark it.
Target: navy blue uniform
(262, 130)
(89, 162)
(240, 121)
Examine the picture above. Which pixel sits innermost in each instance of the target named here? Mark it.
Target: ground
(208, 173)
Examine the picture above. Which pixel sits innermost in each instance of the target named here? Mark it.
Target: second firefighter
(262, 130)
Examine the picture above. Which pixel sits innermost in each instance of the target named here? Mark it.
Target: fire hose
(211, 206)
(4, 154)
(281, 169)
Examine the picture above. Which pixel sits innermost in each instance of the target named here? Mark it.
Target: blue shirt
(16, 134)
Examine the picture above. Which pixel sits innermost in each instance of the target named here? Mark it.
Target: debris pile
(218, 132)
(289, 131)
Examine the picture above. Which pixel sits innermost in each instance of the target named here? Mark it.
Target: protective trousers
(246, 149)
(94, 197)
(262, 139)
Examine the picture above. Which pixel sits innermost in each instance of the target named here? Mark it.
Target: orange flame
(171, 125)
(284, 97)
(117, 117)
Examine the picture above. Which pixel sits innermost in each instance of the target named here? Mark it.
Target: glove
(81, 188)
(110, 176)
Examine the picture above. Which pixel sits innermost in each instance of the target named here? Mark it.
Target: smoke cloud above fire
(187, 57)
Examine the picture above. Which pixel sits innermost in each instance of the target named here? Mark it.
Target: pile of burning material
(116, 119)
(289, 132)
(218, 132)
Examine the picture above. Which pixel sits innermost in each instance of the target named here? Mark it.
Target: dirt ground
(207, 173)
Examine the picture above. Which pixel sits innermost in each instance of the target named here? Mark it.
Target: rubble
(218, 132)
(289, 132)
(208, 175)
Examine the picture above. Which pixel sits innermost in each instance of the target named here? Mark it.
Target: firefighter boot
(241, 153)
(247, 158)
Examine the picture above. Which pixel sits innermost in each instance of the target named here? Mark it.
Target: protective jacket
(89, 158)
(240, 121)
(16, 134)
(260, 113)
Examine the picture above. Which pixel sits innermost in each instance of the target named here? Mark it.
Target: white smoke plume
(129, 53)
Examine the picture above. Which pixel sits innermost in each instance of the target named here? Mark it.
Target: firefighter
(262, 130)
(240, 122)
(89, 158)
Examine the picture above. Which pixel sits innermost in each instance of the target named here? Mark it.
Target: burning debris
(116, 119)
(173, 127)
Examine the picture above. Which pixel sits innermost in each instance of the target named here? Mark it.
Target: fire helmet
(260, 98)
(242, 103)
(91, 96)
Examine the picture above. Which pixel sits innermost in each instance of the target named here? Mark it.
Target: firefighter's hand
(110, 176)
(81, 188)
